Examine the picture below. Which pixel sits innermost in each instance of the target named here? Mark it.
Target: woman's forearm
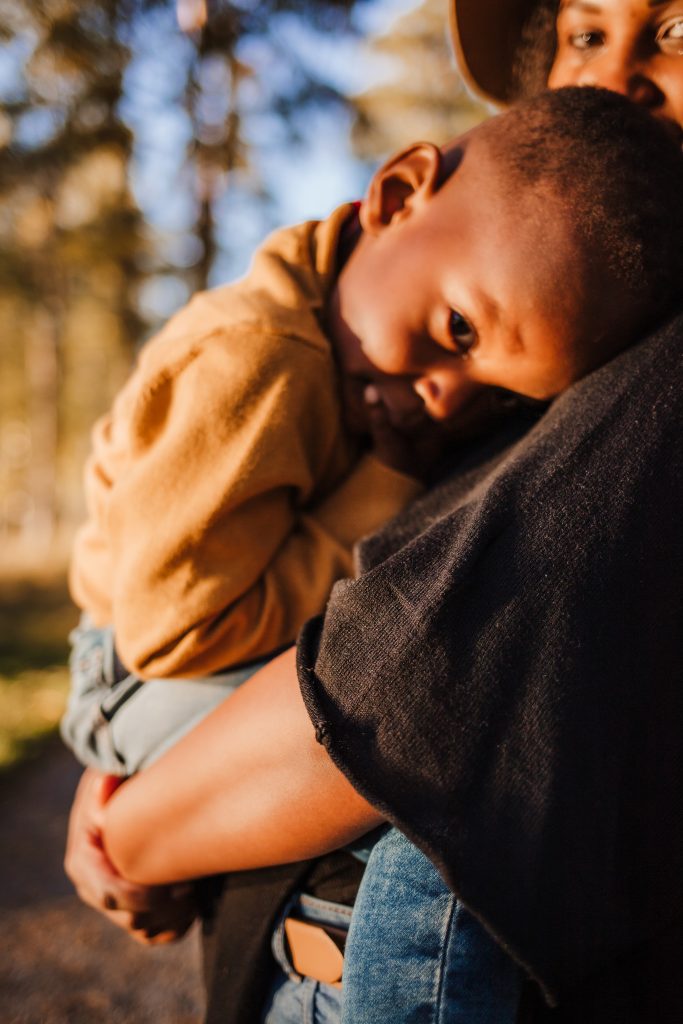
(248, 787)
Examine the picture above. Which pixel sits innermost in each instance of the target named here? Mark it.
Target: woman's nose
(625, 74)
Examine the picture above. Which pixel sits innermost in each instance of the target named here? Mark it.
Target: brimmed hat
(486, 35)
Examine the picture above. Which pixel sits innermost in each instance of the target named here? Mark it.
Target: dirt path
(60, 963)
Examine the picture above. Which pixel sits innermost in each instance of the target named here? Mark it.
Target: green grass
(35, 618)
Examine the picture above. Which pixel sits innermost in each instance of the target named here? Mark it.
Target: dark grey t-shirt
(504, 679)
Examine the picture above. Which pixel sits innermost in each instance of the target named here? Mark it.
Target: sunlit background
(146, 147)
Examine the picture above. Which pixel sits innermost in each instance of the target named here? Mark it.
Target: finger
(158, 938)
(147, 929)
(147, 936)
(98, 884)
(122, 919)
(135, 899)
(150, 929)
(170, 899)
(170, 917)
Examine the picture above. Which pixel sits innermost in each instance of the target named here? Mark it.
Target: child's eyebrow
(513, 339)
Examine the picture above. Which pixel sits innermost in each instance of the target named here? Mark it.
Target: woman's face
(634, 47)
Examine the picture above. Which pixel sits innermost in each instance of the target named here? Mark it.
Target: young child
(224, 495)
(522, 256)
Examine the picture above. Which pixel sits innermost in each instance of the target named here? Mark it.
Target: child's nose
(443, 395)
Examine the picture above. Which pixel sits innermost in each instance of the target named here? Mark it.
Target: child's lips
(405, 418)
(407, 423)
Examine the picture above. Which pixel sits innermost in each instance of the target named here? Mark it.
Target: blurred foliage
(69, 247)
(94, 95)
(31, 705)
(129, 170)
(130, 156)
(35, 618)
(424, 97)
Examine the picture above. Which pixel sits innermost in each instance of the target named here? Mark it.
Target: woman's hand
(248, 787)
(151, 915)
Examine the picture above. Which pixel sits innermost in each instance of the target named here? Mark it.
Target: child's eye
(461, 332)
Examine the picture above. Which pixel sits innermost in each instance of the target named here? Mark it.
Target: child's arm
(250, 786)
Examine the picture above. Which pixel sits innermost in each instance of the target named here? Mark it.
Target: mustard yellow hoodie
(223, 494)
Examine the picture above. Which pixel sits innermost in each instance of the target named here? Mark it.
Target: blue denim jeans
(295, 999)
(414, 955)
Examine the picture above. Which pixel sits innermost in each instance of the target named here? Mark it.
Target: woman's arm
(249, 787)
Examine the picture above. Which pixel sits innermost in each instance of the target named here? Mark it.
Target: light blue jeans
(414, 955)
(295, 999)
(120, 725)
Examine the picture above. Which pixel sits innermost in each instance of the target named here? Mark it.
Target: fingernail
(110, 902)
(371, 395)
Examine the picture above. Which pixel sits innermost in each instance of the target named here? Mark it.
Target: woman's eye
(586, 39)
(670, 37)
(461, 332)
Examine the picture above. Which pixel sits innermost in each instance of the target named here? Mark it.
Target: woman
(550, 804)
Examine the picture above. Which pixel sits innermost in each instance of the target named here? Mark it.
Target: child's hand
(150, 914)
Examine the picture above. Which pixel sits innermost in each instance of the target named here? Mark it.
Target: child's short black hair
(618, 174)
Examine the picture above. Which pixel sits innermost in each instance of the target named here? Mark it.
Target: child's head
(523, 255)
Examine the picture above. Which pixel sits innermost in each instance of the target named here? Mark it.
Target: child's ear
(405, 181)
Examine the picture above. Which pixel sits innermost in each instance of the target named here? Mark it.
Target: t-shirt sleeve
(505, 685)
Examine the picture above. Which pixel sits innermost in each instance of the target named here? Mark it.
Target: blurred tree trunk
(76, 254)
(42, 378)
(71, 240)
